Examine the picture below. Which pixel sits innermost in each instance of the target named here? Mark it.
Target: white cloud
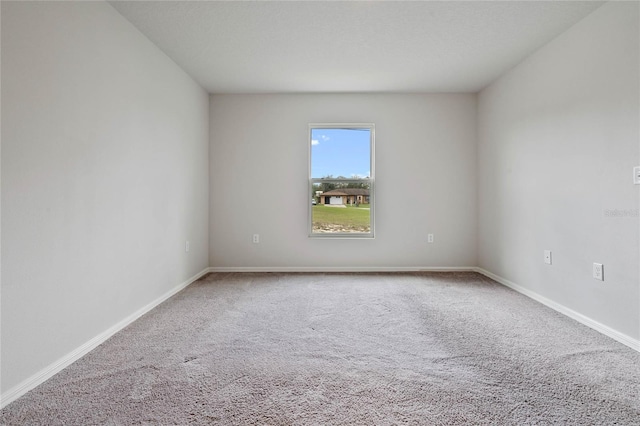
(314, 142)
(360, 175)
(324, 137)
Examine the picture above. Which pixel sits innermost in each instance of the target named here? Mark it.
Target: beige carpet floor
(345, 349)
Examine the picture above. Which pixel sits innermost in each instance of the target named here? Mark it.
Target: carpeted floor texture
(345, 349)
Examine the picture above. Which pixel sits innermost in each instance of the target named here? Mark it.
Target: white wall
(558, 139)
(106, 172)
(425, 180)
(104, 177)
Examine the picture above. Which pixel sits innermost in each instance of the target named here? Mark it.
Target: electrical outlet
(598, 271)
(256, 238)
(186, 246)
(636, 175)
(547, 257)
(429, 238)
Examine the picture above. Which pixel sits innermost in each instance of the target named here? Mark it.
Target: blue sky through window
(340, 152)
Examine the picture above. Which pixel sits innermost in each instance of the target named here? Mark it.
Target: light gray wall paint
(558, 138)
(425, 180)
(104, 177)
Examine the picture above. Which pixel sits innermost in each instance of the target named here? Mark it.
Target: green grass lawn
(337, 219)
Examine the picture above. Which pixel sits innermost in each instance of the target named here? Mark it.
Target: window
(341, 180)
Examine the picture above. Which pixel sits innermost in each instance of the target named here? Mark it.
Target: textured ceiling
(303, 46)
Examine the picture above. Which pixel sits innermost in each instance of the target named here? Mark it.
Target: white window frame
(370, 180)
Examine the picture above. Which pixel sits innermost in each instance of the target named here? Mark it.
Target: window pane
(340, 207)
(341, 179)
(340, 153)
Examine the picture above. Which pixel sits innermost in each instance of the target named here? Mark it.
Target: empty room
(320, 213)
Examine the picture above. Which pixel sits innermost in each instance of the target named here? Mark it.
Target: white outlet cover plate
(598, 271)
(547, 257)
(636, 175)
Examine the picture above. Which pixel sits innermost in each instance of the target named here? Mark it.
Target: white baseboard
(54, 368)
(342, 269)
(607, 331)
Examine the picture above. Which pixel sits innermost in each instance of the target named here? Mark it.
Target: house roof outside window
(346, 191)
